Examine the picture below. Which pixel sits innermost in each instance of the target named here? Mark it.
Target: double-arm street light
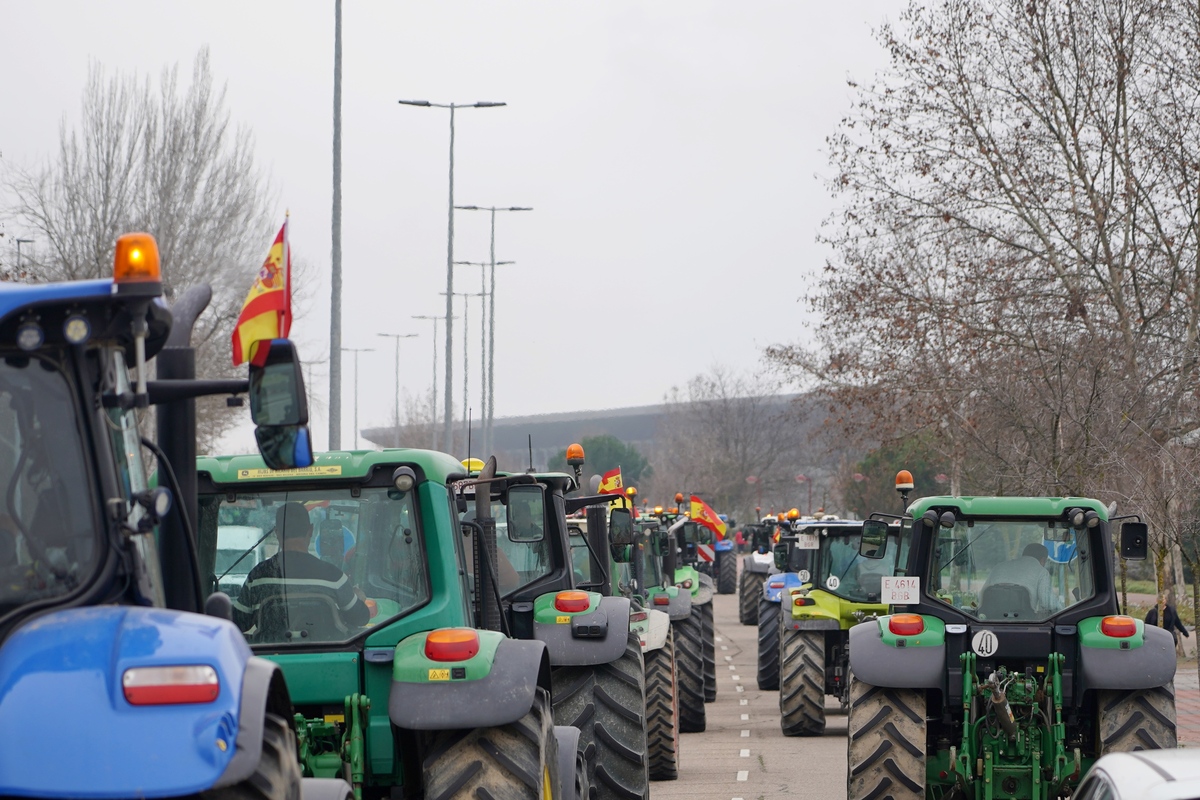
(433, 420)
(398, 337)
(449, 410)
(489, 409)
(356, 351)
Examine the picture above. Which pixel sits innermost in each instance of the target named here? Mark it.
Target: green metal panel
(1046, 507)
(1090, 635)
(413, 666)
(320, 678)
(544, 610)
(381, 749)
(336, 465)
(934, 634)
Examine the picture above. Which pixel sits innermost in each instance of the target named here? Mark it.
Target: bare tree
(168, 162)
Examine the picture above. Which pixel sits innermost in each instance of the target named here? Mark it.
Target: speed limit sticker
(833, 582)
(985, 644)
(803, 576)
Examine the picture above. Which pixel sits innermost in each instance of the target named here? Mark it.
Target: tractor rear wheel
(662, 712)
(768, 645)
(750, 590)
(518, 761)
(802, 682)
(621, 770)
(1141, 719)
(277, 776)
(886, 743)
(689, 667)
(710, 652)
(727, 573)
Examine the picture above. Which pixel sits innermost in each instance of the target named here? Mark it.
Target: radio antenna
(530, 452)
(468, 441)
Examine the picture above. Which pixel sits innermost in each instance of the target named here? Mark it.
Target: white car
(1144, 775)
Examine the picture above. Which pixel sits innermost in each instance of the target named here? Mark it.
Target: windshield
(846, 573)
(521, 562)
(314, 566)
(49, 544)
(649, 565)
(1010, 570)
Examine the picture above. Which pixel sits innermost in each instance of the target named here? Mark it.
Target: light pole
(448, 430)
(483, 331)
(490, 410)
(356, 351)
(466, 296)
(433, 400)
(335, 261)
(397, 337)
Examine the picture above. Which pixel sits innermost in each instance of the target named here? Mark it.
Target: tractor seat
(301, 617)
(1002, 601)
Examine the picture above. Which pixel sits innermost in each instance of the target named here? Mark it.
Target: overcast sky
(673, 153)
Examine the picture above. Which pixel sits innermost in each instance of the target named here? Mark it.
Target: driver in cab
(1028, 570)
(294, 569)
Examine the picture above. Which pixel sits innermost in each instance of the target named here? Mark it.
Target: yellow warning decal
(439, 674)
(331, 719)
(301, 472)
(563, 620)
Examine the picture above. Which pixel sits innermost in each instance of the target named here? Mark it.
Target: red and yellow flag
(703, 513)
(611, 483)
(267, 312)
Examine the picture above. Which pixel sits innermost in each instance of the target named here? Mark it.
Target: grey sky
(671, 151)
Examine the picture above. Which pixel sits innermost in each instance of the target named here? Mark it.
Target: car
(1143, 775)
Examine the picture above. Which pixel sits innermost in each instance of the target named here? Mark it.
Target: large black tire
(689, 667)
(621, 770)
(886, 743)
(768, 645)
(1142, 719)
(801, 682)
(518, 761)
(277, 776)
(750, 589)
(727, 573)
(709, 652)
(662, 711)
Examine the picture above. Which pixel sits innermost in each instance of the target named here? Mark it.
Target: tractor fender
(763, 563)
(659, 626)
(880, 664)
(703, 592)
(1145, 667)
(567, 737)
(263, 690)
(71, 665)
(568, 650)
(680, 606)
(503, 695)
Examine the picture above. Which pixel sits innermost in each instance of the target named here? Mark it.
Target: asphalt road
(743, 754)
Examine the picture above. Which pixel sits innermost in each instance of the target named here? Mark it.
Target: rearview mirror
(873, 541)
(526, 513)
(284, 446)
(276, 391)
(781, 556)
(620, 526)
(1134, 540)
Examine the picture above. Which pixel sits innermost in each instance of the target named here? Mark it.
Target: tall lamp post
(433, 420)
(466, 296)
(397, 337)
(448, 429)
(490, 406)
(356, 351)
(483, 331)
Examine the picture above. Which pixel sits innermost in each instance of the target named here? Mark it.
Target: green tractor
(834, 589)
(698, 671)
(1006, 667)
(373, 623)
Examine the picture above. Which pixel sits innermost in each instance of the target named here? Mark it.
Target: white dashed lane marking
(743, 774)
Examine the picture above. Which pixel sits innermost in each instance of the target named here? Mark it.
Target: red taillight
(571, 602)
(159, 686)
(1119, 627)
(451, 644)
(803, 601)
(775, 585)
(906, 624)
(662, 600)
(638, 616)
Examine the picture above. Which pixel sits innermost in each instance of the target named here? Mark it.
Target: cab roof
(1045, 507)
(16, 296)
(332, 465)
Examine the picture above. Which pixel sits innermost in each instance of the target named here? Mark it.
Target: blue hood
(784, 581)
(18, 295)
(71, 733)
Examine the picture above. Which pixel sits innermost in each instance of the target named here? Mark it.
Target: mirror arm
(170, 390)
(882, 515)
(576, 503)
(1125, 517)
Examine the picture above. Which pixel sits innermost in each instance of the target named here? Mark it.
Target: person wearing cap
(295, 569)
(1028, 570)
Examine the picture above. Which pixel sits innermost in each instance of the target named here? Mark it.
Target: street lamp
(397, 337)
(483, 331)
(466, 296)
(450, 254)
(490, 409)
(356, 351)
(433, 400)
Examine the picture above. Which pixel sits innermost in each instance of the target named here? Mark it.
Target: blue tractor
(125, 682)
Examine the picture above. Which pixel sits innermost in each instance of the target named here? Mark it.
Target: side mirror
(526, 513)
(279, 405)
(781, 556)
(873, 540)
(1135, 538)
(620, 526)
(284, 446)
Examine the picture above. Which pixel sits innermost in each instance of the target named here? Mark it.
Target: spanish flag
(611, 483)
(267, 312)
(703, 513)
